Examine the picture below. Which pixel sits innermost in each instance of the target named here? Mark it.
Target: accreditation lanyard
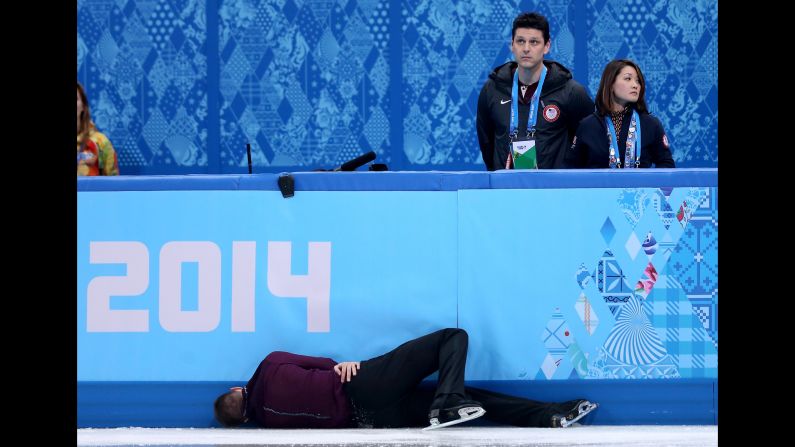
(632, 153)
(531, 119)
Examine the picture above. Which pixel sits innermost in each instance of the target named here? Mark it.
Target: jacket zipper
(280, 413)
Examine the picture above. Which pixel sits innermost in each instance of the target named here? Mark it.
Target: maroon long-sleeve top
(297, 391)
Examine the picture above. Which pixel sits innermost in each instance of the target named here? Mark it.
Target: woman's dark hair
(604, 96)
(85, 116)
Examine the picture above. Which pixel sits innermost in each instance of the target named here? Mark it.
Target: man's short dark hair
(228, 410)
(531, 20)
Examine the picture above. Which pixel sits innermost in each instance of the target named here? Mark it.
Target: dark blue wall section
(190, 404)
(180, 86)
(411, 181)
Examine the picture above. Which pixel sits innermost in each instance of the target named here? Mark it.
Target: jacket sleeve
(659, 150)
(576, 155)
(580, 105)
(108, 162)
(304, 361)
(485, 128)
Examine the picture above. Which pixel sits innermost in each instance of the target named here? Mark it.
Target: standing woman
(620, 133)
(95, 154)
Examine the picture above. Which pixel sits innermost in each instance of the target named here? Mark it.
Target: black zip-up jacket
(591, 149)
(563, 103)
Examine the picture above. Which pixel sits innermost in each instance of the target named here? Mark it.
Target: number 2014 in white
(315, 286)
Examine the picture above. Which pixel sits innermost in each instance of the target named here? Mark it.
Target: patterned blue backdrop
(180, 86)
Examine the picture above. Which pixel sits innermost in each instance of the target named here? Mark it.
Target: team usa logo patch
(665, 141)
(551, 113)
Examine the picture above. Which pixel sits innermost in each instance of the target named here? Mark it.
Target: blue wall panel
(622, 402)
(186, 280)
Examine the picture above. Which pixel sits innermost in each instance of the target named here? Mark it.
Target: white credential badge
(524, 154)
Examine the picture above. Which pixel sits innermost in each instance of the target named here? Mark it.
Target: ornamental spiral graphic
(633, 340)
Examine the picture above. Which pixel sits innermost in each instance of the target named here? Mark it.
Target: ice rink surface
(604, 435)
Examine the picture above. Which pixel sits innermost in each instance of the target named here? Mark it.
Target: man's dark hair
(229, 410)
(604, 96)
(531, 20)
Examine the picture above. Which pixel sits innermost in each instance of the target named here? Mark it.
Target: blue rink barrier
(585, 283)
(622, 402)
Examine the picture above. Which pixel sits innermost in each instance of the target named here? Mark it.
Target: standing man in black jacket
(521, 125)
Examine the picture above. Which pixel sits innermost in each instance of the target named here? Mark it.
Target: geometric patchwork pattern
(695, 259)
(694, 262)
(312, 83)
(304, 82)
(611, 282)
(633, 202)
(649, 244)
(144, 67)
(607, 367)
(682, 329)
(662, 327)
(688, 200)
(636, 204)
(707, 312)
(632, 339)
(644, 211)
(655, 34)
(579, 360)
(633, 245)
(664, 210)
(582, 276)
(644, 285)
(608, 231)
(665, 246)
(587, 314)
(557, 338)
(706, 307)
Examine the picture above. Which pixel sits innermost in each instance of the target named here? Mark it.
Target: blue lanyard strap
(531, 119)
(632, 153)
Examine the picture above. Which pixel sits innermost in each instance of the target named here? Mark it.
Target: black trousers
(385, 391)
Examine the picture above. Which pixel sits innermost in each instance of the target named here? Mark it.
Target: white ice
(635, 435)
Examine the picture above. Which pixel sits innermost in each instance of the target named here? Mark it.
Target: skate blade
(467, 414)
(588, 407)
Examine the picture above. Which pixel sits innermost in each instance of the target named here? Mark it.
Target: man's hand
(345, 370)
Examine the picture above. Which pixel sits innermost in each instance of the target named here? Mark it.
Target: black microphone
(361, 160)
(248, 152)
